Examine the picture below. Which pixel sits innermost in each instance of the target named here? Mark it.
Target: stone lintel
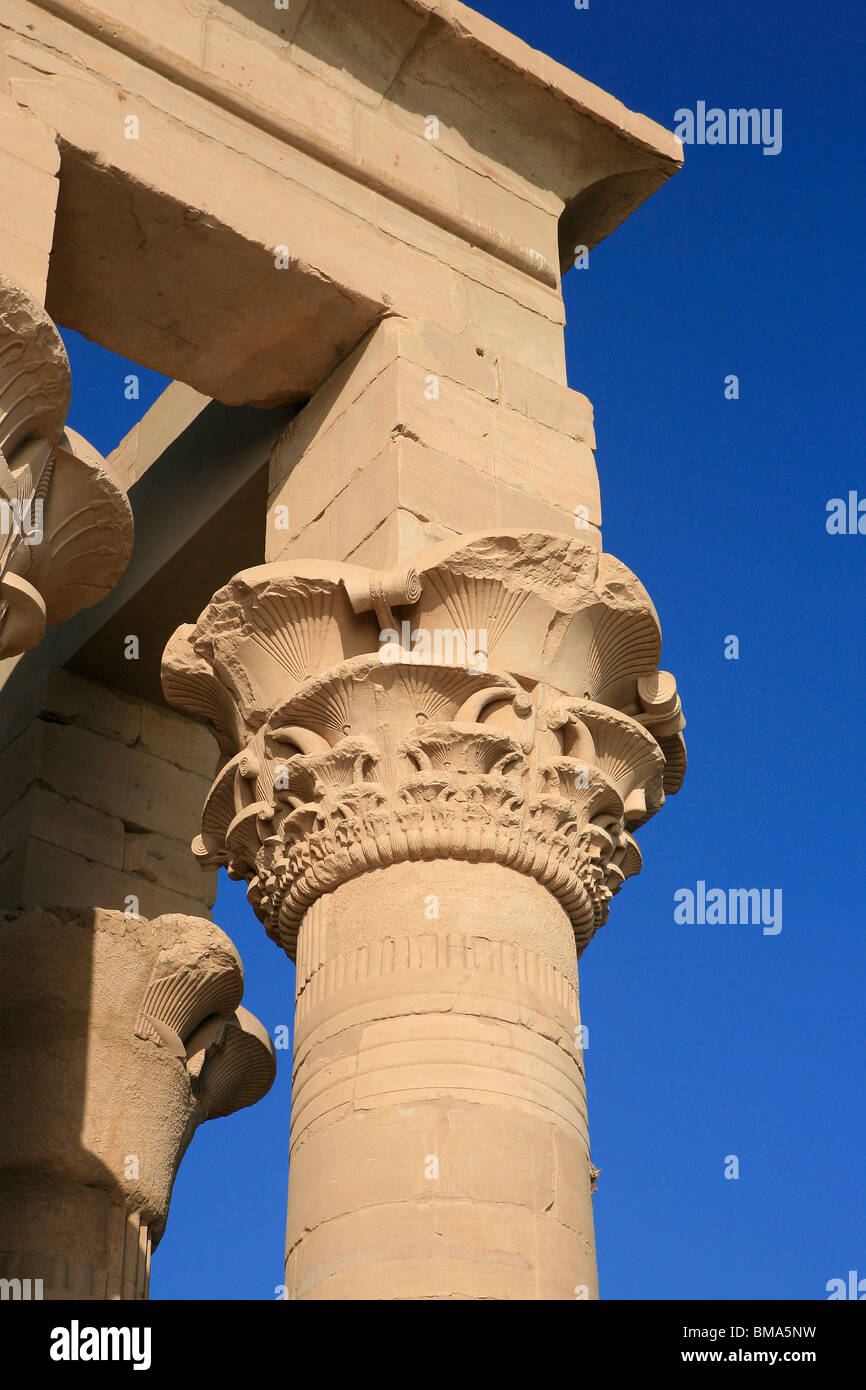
(322, 117)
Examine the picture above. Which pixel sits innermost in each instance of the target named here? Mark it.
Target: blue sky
(704, 1041)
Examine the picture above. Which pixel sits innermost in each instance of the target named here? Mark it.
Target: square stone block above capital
(421, 434)
(29, 161)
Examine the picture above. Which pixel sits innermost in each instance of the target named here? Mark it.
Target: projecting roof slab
(246, 191)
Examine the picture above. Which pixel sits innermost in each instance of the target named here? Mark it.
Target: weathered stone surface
(36, 871)
(114, 778)
(178, 742)
(70, 825)
(166, 862)
(29, 161)
(70, 700)
(65, 528)
(99, 796)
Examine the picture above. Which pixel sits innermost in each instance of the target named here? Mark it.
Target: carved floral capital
(540, 735)
(65, 527)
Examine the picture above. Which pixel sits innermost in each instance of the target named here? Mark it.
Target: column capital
(65, 527)
(99, 1005)
(498, 700)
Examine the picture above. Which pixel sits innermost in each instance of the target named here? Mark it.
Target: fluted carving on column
(65, 528)
(514, 713)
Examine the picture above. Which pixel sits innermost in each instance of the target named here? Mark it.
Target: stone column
(118, 1037)
(430, 781)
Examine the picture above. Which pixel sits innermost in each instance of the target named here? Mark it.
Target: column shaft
(439, 1133)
